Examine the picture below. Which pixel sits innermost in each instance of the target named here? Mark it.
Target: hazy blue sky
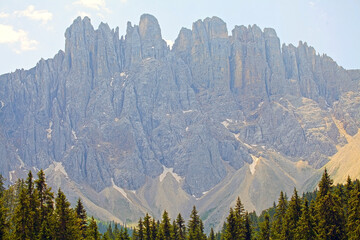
(31, 30)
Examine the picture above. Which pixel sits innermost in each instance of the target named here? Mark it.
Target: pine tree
(231, 229)
(202, 234)
(181, 227)
(240, 219)
(305, 227)
(33, 220)
(154, 229)
(121, 234)
(292, 216)
(329, 216)
(194, 230)
(92, 232)
(279, 216)
(47, 215)
(174, 230)
(140, 230)
(165, 227)
(66, 227)
(22, 216)
(116, 231)
(3, 219)
(353, 223)
(265, 228)
(126, 234)
(248, 228)
(212, 235)
(81, 217)
(45, 207)
(109, 232)
(147, 227)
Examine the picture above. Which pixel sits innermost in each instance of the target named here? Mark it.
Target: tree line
(30, 210)
(329, 213)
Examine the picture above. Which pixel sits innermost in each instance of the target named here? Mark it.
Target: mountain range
(132, 125)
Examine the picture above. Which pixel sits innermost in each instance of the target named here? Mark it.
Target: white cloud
(93, 4)
(4, 15)
(38, 15)
(9, 35)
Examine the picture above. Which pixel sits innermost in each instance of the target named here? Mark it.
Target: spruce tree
(231, 226)
(265, 228)
(174, 230)
(305, 227)
(181, 227)
(279, 216)
(116, 230)
(292, 216)
(329, 215)
(194, 230)
(34, 218)
(212, 235)
(140, 230)
(247, 227)
(92, 232)
(239, 219)
(4, 225)
(154, 229)
(353, 223)
(147, 227)
(66, 227)
(47, 215)
(22, 216)
(81, 217)
(165, 227)
(126, 234)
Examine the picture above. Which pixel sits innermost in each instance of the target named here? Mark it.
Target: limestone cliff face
(121, 111)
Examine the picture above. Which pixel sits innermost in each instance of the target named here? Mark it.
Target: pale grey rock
(119, 110)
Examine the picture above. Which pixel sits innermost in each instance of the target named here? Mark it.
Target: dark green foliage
(329, 215)
(291, 218)
(195, 226)
(165, 230)
(4, 225)
(279, 216)
(180, 227)
(353, 223)
(22, 216)
(27, 211)
(305, 228)
(265, 228)
(154, 229)
(66, 227)
(81, 218)
(247, 227)
(231, 232)
(212, 234)
(92, 232)
(147, 227)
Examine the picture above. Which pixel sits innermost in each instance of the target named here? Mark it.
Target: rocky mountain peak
(216, 28)
(153, 45)
(149, 28)
(126, 121)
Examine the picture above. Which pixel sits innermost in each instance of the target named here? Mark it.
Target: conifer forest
(30, 210)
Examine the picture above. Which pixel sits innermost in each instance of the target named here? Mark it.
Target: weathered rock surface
(116, 112)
